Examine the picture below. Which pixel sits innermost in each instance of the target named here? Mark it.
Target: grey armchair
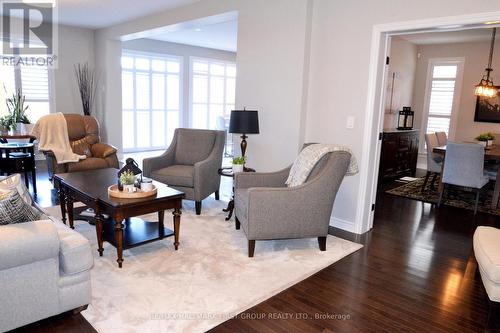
(268, 209)
(190, 164)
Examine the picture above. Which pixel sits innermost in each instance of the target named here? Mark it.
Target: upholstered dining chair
(464, 167)
(442, 138)
(83, 133)
(434, 161)
(190, 164)
(267, 209)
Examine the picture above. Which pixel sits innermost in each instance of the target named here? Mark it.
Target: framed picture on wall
(488, 109)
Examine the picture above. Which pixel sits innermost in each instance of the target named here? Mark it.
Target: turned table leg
(177, 224)
(119, 240)
(69, 204)
(62, 203)
(161, 226)
(99, 229)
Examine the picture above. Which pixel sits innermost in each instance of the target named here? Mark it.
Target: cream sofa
(487, 251)
(44, 271)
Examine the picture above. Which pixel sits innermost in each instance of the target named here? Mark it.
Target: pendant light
(486, 88)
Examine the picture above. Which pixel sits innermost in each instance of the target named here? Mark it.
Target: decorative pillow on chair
(13, 209)
(7, 184)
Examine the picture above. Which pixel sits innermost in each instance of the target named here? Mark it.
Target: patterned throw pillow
(13, 209)
(9, 183)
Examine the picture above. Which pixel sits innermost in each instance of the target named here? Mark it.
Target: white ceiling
(220, 36)
(447, 37)
(103, 13)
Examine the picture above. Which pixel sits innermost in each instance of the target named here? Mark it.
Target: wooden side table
(4, 137)
(19, 158)
(228, 172)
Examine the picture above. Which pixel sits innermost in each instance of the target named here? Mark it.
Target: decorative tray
(114, 192)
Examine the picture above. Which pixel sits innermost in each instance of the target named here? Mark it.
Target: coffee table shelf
(136, 232)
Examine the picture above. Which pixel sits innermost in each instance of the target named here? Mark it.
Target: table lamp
(244, 122)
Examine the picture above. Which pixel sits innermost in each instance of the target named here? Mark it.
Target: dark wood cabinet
(399, 154)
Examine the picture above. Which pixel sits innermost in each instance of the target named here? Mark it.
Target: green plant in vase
(238, 164)
(127, 179)
(6, 123)
(17, 111)
(486, 139)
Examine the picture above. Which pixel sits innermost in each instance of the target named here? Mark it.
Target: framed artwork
(488, 109)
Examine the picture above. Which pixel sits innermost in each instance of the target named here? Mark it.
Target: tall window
(151, 90)
(33, 82)
(213, 85)
(441, 94)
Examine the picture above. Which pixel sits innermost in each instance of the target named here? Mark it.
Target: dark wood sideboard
(399, 154)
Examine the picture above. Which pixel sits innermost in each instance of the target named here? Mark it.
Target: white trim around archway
(374, 107)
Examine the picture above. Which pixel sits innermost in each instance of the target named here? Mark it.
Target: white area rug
(206, 282)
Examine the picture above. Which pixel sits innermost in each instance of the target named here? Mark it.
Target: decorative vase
(490, 142)
(483, 143)
(20, 128)
(129, 188)
(28, 128)
(237, 168)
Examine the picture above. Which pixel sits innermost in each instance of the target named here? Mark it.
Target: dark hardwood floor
(415, 273)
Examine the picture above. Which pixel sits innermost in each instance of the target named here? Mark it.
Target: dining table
(491, 153)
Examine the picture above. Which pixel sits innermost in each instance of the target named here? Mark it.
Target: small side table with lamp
(241, 122)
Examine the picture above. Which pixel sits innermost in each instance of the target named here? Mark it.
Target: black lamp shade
(244, 122)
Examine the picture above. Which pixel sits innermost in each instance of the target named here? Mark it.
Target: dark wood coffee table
(123, 229)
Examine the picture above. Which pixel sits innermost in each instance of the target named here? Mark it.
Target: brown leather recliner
(83, 132)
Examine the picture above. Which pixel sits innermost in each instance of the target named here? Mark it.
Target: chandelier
(486, 88)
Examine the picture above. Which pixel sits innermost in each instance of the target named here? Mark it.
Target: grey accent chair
(434, 161)
(44, 271)
(190, 164)
(267, 209)
(464, 167)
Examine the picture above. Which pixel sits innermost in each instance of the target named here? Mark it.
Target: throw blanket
(308, 158)
(52, 134)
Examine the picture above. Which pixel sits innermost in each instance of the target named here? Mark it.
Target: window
(151, 100)
(213, 86)
(33, 82)
(442, 94)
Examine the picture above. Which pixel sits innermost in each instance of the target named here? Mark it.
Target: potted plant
(491, 138)
(238, 163)
(483, 139)
(127, 179)
(6, 124)
(17, 112)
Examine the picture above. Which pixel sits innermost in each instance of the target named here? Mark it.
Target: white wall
(403, 64)
(476, 57)
(272, 48)
(76, 45)
(340, 55)
(184, 51)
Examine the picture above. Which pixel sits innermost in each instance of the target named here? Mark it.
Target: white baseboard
(342, 224)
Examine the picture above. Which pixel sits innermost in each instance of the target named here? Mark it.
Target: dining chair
(442, 138)
(464, 168)
(434, 161)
